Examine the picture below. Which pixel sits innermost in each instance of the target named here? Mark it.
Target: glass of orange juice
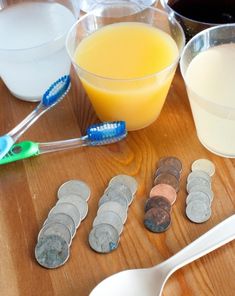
(125, 55)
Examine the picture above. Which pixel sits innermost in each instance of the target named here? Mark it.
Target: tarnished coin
(158, 201)
(111, 218)
(114, 207)
(63, 219)
(204, 165)
(197, 181)
(129, 181)
(56, 228)
(198, 211)
(169, 169)
(164, 190)
(78, 201)
(51, 251)
(204, 189)
(198, 174)
(76, 187)
(123, 189)
(113, 196)
(167, 179)
(68, 209)
(199, 196)
(171, 161)
(103, 238)
(157, 219)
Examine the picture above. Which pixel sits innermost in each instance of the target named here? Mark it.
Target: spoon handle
(216, 237)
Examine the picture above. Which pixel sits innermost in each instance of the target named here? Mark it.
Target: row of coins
(200, 194)
(112, 213)
(163, 195)
(55, 237)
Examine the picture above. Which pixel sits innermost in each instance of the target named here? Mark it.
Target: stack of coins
(112, 213)
(55, 237)
(163, 195)
(200, 194)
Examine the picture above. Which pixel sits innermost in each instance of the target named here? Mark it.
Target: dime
(114, 207)
(199, 174)
(103, 238)
(164, 190)
(78, 201)
(111, 218)
(171, 161)
(204, 189)
(198, 211)
(51, 251)
(197, 181)
(167, 179)
(76, 187)
(204, 165)
(113, 196)
(199, 195)
(158, 201)
(129, 181)
(123, 189)
(157, 219)
(168, 169)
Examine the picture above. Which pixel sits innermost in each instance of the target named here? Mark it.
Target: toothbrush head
(106, 132)
(57, 91)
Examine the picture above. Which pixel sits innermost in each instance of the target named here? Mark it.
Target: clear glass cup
(32, 44)
(210, 87)
(138, 101)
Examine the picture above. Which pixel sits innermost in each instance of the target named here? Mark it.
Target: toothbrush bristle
(56, 91)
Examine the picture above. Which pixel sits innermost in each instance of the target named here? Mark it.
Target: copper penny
(169, 169)
(164, 190)
(157, 220)
(158, 201)
(172, 161)
(167, 179)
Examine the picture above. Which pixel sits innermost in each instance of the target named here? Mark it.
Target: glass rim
(172, 65)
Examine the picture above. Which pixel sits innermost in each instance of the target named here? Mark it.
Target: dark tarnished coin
(167, 179)
(171, 161)
(157, 220)
(51, 251)
(123, 189)
(158, 201)
(169, 169)
(113, 196)
(103, 238)
(164, 190)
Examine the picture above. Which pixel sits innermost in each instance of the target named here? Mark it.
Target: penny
(157, 219)
(167, 179)
(115, 207)
(51, 251)
(199, 196)
(158, 201)
(197, 181)
(204, 165)
(129, 181)
(198, 174)
(103, 238)
(113, 196)
(78, 201)
(168, 169)
(164, 190)
(204, 189)
(171, 161)
(111, 218)
(76, 187)
(123, 189)
(198, 211)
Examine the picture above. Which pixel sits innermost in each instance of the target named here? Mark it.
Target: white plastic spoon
(150, 281)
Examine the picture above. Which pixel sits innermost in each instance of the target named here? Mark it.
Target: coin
(171, 161)
(123, 189)
(167, 179)
(197, 181)
(199, 195)
(158, 201)
(113, 196)
(114, 207)
(204, 165)
(204, 189)
(109, 217)
(198, 174)
(51, 251)
(78, 201)
(129, 181)
(198, 211)
(168, 169)
(103, 238)
(164, 190)
(157, 219)
(76, 187)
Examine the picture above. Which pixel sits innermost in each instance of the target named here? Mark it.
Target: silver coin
(57, 229)
(63, 219)
(68, 209)
(204, 189)
(199, 196)
(198, 174)
(109, 217)
(123, 189)
(51, 251)
(204, 165)
(198, 211)
(197, 181)
(114, 207)
(78, 201)
(76, 187)
(103, 238)
(129, 181)
(113, 196)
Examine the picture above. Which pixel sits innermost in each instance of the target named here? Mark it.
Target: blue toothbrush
(54, 94)
(97, 134)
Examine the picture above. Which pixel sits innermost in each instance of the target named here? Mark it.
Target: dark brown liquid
(208, 11)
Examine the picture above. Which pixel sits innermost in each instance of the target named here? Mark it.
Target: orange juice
(128, 70)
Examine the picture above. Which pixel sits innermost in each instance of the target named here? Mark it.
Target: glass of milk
(32, 44)
(208, 68)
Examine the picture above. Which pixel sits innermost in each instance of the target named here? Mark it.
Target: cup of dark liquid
(197, 15)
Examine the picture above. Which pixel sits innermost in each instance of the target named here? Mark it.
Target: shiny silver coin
(198, 196)
(68, 209)
(56, 228)
(123, 189)
(198, 211)
(76, 187)
(78, 201)
(114, 207)
(197, 181)
(109, 217)
(113, 196)
(51, 251)
(204, 165)
(103, 238)
(198, 174)
(129, 181)
(204, 189)
(63, 219)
